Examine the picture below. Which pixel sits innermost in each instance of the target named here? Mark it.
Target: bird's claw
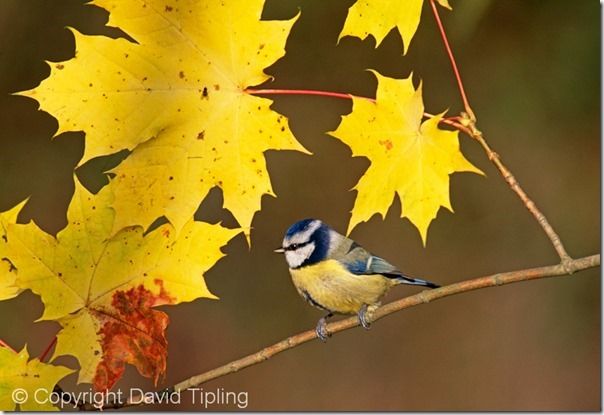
(362, 314)
(321, 330)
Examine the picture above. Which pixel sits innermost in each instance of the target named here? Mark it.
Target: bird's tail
(404, 279)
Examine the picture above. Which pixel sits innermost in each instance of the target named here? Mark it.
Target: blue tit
(337, 275)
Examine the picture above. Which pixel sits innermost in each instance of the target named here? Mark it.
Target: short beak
(279, 250)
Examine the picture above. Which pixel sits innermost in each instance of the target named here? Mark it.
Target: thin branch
(423, 297)
(443, 34)
(470, 122)
(515, 186)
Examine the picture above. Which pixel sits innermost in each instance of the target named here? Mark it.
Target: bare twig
(411, 301)
(515, 186)
(469, 120)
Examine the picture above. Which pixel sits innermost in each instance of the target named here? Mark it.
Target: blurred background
(532, 73)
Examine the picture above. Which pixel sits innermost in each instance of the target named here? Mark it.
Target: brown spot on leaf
(59, 66)
(162, 297)
(11, 267)
(216, 87)
(181, 75)
(168, 8)
(386, 143)
(166, 232)
(201, 135)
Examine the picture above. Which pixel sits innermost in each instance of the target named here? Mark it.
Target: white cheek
(296, 258)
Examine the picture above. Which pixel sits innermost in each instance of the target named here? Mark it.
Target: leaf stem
(303, 92)
(452, 121)
(50, 346)
(443, 34)
(3, 344)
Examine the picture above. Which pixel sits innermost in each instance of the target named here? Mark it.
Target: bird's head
(305, 243)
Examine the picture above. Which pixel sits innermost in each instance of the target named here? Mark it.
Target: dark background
(532, 72)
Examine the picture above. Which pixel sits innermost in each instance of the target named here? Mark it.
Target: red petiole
(452, 121)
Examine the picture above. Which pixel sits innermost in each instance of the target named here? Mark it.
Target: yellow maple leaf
(408, 158)
(180, 90)
(8, 275)
(102, 288)
(378, 17)
(27, 382)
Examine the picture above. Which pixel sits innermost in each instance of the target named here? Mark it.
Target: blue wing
(360, 262)
(370, 265)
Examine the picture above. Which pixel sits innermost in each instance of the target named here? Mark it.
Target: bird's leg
(365, 314)
(362, 314)
(321, 330)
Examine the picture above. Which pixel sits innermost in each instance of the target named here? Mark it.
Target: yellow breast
(330, 286)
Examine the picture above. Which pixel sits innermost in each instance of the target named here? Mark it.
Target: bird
(336, 274)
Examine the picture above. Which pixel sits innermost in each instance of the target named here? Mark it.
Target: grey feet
(321, 329)
(363, 318)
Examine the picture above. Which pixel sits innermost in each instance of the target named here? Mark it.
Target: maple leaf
(180, 90)
(408, 157)
(8, 275)
(378, 17)
(22, 380)
(102, 288)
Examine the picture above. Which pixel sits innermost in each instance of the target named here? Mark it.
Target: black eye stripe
(293, 247)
